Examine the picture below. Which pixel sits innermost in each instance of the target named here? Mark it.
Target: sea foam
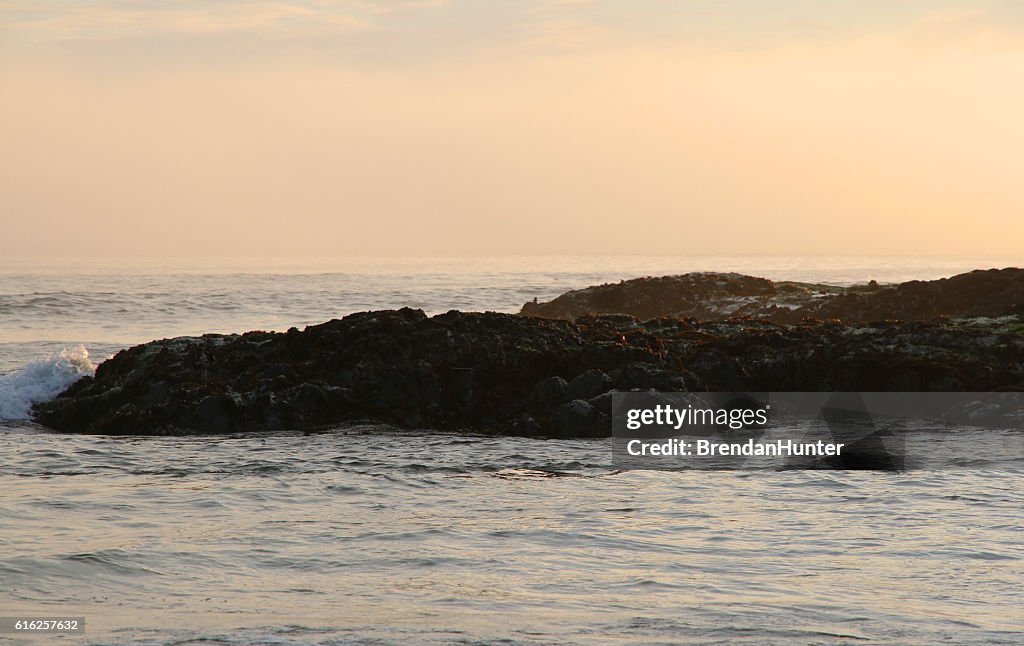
(41, 380)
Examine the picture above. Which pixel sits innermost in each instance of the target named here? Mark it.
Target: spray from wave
(41, 380)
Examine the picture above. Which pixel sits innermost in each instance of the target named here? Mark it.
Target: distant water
(374, 535)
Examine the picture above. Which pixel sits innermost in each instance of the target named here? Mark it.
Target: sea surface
(375, 535)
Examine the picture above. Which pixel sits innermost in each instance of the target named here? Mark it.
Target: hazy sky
(450, 127)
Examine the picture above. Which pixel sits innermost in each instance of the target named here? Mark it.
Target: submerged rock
(713, 296)
(508, 374)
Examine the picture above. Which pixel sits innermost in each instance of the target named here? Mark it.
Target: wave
(41, 380)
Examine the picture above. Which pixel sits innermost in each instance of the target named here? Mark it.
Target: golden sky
(434, 127)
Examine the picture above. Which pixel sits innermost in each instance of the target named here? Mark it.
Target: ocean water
(369, 534)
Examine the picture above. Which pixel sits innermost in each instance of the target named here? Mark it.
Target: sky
(480, 127)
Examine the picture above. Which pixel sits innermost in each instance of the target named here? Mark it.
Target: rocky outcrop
(499, 373)
(712, 296)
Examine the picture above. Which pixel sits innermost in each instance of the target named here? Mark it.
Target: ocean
(377, 535)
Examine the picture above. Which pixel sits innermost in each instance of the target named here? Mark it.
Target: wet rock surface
(508, 374)
(713, 296)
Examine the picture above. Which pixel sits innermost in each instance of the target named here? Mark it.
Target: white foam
(41, 380)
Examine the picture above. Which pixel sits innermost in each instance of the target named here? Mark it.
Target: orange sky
(534, 127)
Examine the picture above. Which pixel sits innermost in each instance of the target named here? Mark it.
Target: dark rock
(718, 371)
(576, 419)
(603, 402)
(548, 394)
(644, 376)
(217, 414)
(691, 295)
(527, 426)
(713, 296)
(500, 373)
(587, 385)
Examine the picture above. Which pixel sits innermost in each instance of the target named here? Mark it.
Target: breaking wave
(41, 380)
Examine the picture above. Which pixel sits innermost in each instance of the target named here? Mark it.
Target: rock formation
(710, 296)
(508, 374)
